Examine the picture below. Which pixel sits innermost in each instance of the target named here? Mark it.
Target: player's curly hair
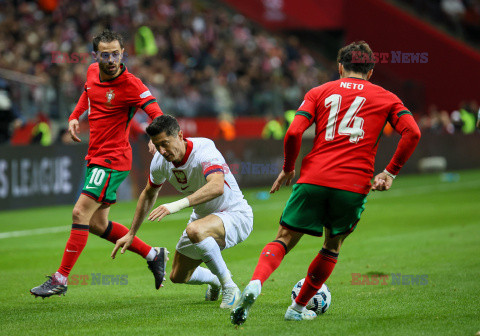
(107, 36)
(165, 123)
(357, 57)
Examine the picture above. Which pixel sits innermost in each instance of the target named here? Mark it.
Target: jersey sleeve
(157, 177)
(143, 99)
(408, 129)
(211, 160)
(308, 107)
(81, 107)
(397, 110)
(293, 142)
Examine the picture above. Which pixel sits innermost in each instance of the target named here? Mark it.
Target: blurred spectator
(461, 17)
(468, 116)
(41, 132)
(9, 119)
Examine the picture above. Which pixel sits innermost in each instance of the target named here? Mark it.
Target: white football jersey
(201, 159)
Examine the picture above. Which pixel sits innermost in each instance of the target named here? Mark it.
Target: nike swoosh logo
(89, 187)
(184, 188)
(233, 300)
(88, 88)
(70, 250)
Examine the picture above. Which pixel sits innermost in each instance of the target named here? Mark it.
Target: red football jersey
(350, 115)
(112, 104)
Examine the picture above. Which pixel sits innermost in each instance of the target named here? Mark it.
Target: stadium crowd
(198, 59)
(461, 17)
(196, 56)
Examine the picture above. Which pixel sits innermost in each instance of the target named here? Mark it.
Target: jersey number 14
(350, 125)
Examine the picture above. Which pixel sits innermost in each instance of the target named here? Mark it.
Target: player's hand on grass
(159, 213)
(151, 148)
(382, 182)
(124, 243)
(282, 178)
(74, 128)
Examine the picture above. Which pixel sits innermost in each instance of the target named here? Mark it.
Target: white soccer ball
(320, 302)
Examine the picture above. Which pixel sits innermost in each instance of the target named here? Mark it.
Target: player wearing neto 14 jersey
(221, 217)
(111, 96)
(349, 116)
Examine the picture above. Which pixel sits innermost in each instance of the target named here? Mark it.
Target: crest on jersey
(110, 95)
(180, 176)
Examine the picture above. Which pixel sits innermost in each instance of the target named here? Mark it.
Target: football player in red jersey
(349, 116)
(111, 96)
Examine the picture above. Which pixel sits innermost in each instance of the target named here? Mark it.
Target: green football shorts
(312, 207)
(102, 183)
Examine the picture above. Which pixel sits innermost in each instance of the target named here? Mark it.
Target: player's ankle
(299, 308)
(151, 255)
(255, 282)
(229, 284)
(60, 278)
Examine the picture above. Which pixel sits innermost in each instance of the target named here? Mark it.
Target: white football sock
(61, 279)
(212, 257)
(151, 255)
(297, 307)
(202, 276)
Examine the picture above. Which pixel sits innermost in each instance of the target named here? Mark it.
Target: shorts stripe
(101, 198)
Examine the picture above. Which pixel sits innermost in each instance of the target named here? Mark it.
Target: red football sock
(116, 231)
(318, 272)
(75, 244)
(270, 258)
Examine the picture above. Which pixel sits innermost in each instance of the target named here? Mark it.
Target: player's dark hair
(107, 36)
(165, 123)
(357, 57)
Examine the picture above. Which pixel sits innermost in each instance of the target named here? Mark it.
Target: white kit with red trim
(201, 159)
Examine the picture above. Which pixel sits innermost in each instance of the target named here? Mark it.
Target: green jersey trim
(305, 114)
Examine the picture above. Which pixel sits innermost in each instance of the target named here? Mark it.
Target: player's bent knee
(175, 277)
(77, 215)
(195, 233)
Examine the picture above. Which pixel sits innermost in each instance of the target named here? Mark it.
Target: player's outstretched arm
(408, 129)
(291, 147)
(145, 203)
(74, 128)
(211, 190)
(73, 125)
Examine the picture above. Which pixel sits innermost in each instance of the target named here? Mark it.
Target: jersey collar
(122, 66)
(187, 154)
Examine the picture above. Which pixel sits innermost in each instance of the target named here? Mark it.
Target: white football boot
(293, 315)
(250, 293)
(230, 297)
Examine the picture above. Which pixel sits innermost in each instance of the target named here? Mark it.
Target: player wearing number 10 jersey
(111, 96)
(349, 116)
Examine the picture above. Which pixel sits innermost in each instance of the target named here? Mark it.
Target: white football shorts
(238, 226)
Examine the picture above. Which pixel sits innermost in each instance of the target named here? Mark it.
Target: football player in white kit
(221, 217)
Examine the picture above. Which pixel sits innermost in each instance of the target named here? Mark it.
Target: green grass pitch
(422, 226)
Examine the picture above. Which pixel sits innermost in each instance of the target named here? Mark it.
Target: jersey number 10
(350, 125)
